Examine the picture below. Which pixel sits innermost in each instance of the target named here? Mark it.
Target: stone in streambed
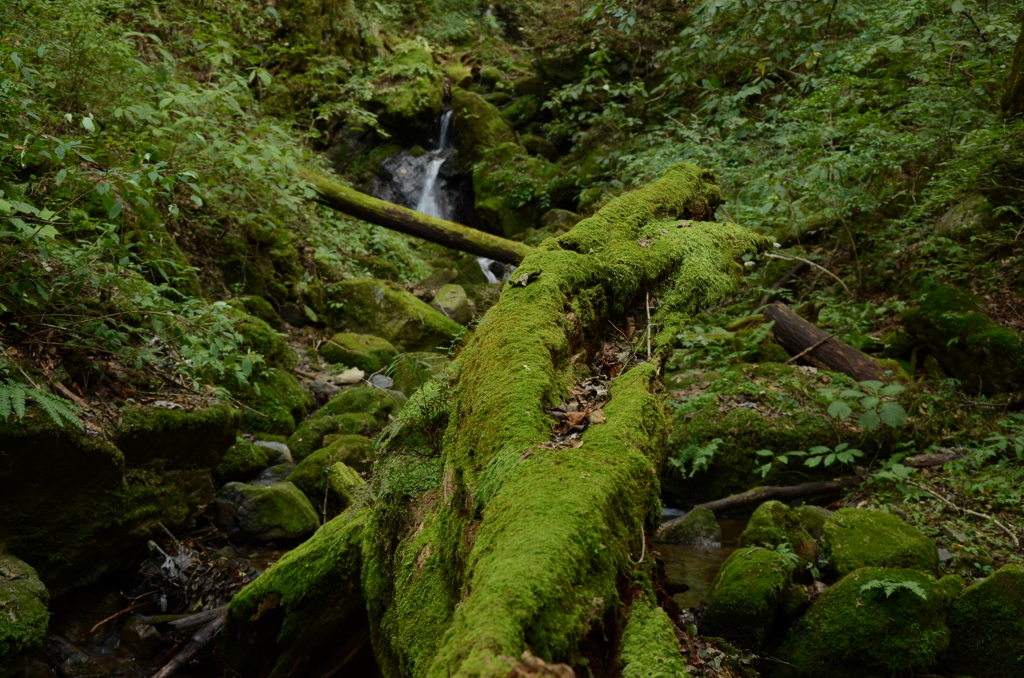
(23, 616)
(774, 524)
(856, 538)
(310, 435)
(263, 513)
(986, 625)
(453, 302)
(242, 461)
(375, 402)
(698, 528)
(365, 351)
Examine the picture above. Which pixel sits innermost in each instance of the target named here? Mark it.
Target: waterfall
(418, 181)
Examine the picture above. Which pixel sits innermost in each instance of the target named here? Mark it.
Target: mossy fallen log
(484, 537)
(404, 220)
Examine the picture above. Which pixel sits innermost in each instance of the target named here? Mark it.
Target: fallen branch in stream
(762, 494)
(198, 642)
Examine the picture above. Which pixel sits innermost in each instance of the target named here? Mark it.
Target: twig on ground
(968, 511)
(811, 263)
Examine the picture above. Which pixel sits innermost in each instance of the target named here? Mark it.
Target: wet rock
(453, 302)
(275, 474)
(70, 661)
(277, 453)
(324, 391)
(139, 639)
(279, 404)
(310, 435)
(355, 451)
(745, 597)
(325, 473)
(242, 461)
(176, 438)
(774, 524)
(263, 513)
(856, 538)
(367, 352)
(375, 402)
(23, 616)
(38, 669)
(377, 308)
(859, 627)
(986, 623)
(698, 528)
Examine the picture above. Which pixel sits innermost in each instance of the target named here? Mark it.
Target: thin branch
(811, 263)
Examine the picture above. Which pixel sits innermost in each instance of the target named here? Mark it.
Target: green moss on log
(650, 648)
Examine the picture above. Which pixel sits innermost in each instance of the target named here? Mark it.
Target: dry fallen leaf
(646, 242)
(597, 417)
(576, 418)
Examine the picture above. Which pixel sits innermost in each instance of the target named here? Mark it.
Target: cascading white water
(417, 182)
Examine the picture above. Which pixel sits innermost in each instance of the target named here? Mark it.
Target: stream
(696, 566)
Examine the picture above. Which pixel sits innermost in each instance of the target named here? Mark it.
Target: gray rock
(322, 390)
(263, 513)
(382, 381)
(23, 614)
(698, 528)
(140, 639)
(283, 454)
(274, 474)
(70, 661)
(453, 302)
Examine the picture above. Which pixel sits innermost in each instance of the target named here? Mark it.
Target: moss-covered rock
(539, 146)
(260, 337)
(176, 438)
(242, 461)
(24, 617)
(478, 126)
(698, 528)
(263, 512)
(309, 437)
(258, 307)
(375, 402)
(375, 307)
(352, 450)
(813, 519)
(365, 351)
(409, 98)
(737, 407)
(650, 648)
(279, 402)
(856, 538)
(294, 614)
(453, 302)
(509, 187)
(986, 624)
(745, 597)
(858, 628)
(969, 345)
(774, 524)
(345, 483)
(522, 111)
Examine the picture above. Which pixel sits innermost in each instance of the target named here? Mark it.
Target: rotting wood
(796, 335)
(198, 642)
(762, 494)
(404, 220)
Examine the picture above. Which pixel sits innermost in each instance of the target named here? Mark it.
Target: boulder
(698, 528)
(318, 478)
(242, 461)
(277, 450)
(856, 538)
(522, 111)
(874, 622)
(375, 307)
(295, 612)
(140, 638)
(178, 438)
(556, 218)
(813, 519)
(309, 437)
(986, 624)
(410, 371)
(537, 145)
(24, 616)
(745, 597)
(774, 524)
(279, 402)
(375, 402)
(71, 661)
(984, 355)
(355, 451)
(478, 127)
(408, 105)
(278, 473)
(345, 483)
(259, 336)
(510, 187)
(453, 302)
(263, 513)
(365, 351)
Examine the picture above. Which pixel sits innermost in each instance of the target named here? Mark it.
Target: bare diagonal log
(818, 347)
(482, 539)
(404, 220)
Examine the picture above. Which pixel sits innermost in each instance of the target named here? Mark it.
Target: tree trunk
(796, 335)
(1013, 98)
(488, 535)
(404, 220)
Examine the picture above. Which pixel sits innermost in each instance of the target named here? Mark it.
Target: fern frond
(18, 400)
(5, 399)
(13, 396)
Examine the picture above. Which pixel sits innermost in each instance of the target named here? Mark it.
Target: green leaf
(820, 449)
(88, 124)
(61, 176)
(830, 459)
(892, 389)
(957, 7)
(764, 453)
(842, 446)
(892, 414)
(197, 200)
(869, 420)
(812, 462)
(872, 385)
(869, 402)
(114, 210)
(839, 410)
